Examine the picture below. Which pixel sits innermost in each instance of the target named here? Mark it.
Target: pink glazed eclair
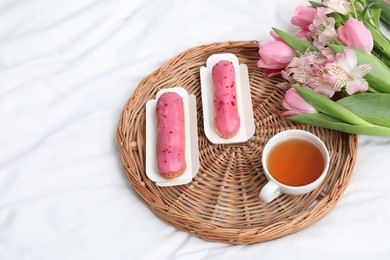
(226, 120)
(170, 135)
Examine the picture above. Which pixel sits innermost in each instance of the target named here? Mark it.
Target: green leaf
(316, 4)
(339, 18)
(337, 42)
(294, 42)
(363, 14)
(373, 107)
(385, 14)
(329, 107)
(380, 40)
(336, 47)
(378, 52)
(376, 15)
(325, 121)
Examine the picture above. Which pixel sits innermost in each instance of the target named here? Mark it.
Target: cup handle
(270, 192)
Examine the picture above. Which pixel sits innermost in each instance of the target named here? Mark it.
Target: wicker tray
(222, 202)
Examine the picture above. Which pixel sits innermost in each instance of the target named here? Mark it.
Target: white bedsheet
(67, 67)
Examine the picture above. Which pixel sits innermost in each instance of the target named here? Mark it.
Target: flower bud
(274, 55)
(304, 16)
(295, 104)
(354, 34)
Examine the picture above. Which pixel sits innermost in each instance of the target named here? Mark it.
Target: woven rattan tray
(222, 202)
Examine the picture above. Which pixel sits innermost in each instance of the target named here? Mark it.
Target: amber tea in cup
(295, 162)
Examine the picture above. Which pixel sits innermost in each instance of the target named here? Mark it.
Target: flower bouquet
(336, 67)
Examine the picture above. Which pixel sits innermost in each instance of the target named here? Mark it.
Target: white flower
(334, 6)
(318, 83)
(323, 29)
(345, 72)
(300, 68)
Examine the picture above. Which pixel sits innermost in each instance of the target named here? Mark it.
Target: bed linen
(67, 68)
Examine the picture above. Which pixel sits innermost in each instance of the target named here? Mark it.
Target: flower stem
(325, 121)
(372, 90)
(354, 9)
(385, 14)
(329, 107)
(380, 41)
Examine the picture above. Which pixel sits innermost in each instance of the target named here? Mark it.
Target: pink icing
(226, 120)
(170, 133)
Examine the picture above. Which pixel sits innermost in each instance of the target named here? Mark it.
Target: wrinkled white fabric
(67, 68)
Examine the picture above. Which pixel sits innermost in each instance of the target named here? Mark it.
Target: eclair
(170, 135)
(226, 117)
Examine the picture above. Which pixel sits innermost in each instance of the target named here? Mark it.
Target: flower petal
(339, 6)
(275, 36)
(275, 53)
(357, 85)
(288, 113)
(294, 103)
(271, 72)
(265, 65)
(327, 91)
(354, 34)
(283, 85)
(329, 78)
(323, 11)
(347, 59)
(304, 16)
(360, 70)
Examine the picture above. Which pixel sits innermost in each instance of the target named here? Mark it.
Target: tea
(295, 162)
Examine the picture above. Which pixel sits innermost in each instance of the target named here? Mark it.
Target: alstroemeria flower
(308, 70)
(354, 34)
(318, 83)
(305, 35)
(323, 29)
(345, 72)
(295, 104)
(274, 56)
(304, 16)
(300, 68)
(327, 53)
(334, 6)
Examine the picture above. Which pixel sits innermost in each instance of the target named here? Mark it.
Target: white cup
(274, 188)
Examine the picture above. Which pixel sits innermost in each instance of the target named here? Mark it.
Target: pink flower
(323, 29)
(327, 53)
(318, 83)
(309, 71)
(275, 36)
(345, 72)
(305, 35)
(354, 34)
(300, 68)
(274, 56)
(334, 6)
(304, 16)
(295, 104)
(271, 72)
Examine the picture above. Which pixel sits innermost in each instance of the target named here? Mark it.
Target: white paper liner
(191, 139)
(244, 100)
